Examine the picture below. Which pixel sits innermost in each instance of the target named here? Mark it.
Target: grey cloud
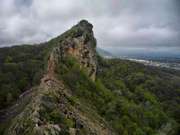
(117, 23)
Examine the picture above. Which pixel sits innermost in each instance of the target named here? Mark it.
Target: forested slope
(73, 90)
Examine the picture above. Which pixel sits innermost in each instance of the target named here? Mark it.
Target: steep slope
(21, 67)
(51, 110)
(79, 93)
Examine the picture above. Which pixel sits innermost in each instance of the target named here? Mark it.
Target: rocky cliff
(52, 110)
(79, 43)
(72, 97)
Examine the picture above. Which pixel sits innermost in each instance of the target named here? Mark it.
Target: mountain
(64, 87)
(104, 53)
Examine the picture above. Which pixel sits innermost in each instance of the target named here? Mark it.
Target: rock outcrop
(51, 110)
(79, 43)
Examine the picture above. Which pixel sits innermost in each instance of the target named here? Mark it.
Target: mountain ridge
(80, 93)
(73, 47)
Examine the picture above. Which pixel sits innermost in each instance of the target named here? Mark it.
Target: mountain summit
(79, 43)
(50, 111)
(63, 87)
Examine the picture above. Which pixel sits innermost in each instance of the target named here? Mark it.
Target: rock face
(79, 43)
(51, 110)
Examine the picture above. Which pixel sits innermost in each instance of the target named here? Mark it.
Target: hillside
(63, 87)
(104, 53)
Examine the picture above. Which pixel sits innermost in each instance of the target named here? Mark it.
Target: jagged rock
(50, 112)
(78, 42)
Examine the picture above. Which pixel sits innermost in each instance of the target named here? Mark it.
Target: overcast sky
(131, 24)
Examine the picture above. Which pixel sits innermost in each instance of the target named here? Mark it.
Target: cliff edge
(52, 109)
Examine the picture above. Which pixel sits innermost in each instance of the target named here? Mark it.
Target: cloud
(117, 23)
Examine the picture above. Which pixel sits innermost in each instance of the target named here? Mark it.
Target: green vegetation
(53, 115)
(121, 95)
(154, 91)
(20, 69)
(133, 99)
(126, 97)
